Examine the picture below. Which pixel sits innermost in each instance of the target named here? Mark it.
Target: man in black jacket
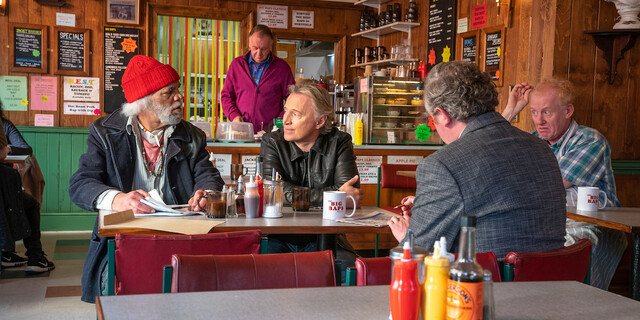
(311, 152)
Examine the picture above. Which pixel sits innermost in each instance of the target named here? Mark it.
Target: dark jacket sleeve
(87, 183)
(17, 143)
(205, 176)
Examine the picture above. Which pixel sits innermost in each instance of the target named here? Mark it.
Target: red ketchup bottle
(404, 292)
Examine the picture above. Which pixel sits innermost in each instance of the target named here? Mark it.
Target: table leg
(634, 285)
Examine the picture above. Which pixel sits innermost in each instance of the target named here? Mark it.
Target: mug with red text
(589, 199)
(334, 205)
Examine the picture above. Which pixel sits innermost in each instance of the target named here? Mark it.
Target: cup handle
(288, 196)
(245, 170)
(604, 203)
(354, 208)
(198, 203)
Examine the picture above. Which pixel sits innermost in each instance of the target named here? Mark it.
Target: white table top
(513, 300)
(292, 223)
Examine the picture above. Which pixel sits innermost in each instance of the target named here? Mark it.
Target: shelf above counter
(371, 3)
(375, 33)
(386, 62)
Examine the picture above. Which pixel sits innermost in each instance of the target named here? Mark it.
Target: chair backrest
(139, 258)
(488, 261)
(250, 271)
(373, 271)
(389, 178)
(569, 263)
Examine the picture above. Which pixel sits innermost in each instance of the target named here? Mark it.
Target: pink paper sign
(44, 93)
(479, 16)
(43, 120)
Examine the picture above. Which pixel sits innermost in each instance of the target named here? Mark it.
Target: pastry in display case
(395, 110)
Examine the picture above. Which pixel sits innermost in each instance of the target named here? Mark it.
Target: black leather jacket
(327, 166)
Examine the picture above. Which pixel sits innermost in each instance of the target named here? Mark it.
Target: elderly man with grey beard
(144, 145)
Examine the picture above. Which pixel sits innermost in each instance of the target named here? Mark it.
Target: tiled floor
(50, 295)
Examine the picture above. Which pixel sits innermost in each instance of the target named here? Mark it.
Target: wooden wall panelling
(93, 19)
(17, 13)
(631, 147)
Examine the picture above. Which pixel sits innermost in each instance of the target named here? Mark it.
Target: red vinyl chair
(488, 261)
(373, 271)
(249, 271)
(139, 259)
(569, 263)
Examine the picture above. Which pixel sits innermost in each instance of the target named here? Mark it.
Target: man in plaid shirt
(584, 157)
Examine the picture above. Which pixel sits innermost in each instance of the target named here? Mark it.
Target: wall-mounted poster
(493, 40)
(273, 16)
(13, 93)
(81, 89)
(29, 52)
(72, 51)
(467, 46)
(44, 93)
(120, 45)
(441, 39)
(123, 11)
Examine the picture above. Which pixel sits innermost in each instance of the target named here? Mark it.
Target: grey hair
(319, 101)
(460, 89)
(134, 108)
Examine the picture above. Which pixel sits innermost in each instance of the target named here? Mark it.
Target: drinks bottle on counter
(404, 292)
(260, 183)
(240, 195)
(252, 201)
(434, 295)
(466, 276)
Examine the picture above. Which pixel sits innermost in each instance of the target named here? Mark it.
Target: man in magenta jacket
(256, 84)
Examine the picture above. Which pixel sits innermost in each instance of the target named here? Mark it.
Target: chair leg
(351, 276)
(376, 254)
(338, 267)
(167, 276)
(111, 267)
(264, 242)
(507, 272)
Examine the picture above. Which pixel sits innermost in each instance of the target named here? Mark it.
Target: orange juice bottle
(465, 288)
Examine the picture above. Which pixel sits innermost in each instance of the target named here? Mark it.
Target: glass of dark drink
(300, 198)
(237, 169)
(216, 207)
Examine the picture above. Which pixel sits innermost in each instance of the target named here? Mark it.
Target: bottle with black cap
(465, 289)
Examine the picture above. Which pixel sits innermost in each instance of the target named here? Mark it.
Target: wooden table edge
(608, 224)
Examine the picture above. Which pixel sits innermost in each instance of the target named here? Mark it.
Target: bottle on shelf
(466, 277)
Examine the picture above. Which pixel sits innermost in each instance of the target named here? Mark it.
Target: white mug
(589, 199)
(334, 204)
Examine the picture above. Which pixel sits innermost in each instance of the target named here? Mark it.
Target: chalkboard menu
(73, 51)
(120, 45)
(29, 53)
(469, 49)
(442, 31)
(493, 54)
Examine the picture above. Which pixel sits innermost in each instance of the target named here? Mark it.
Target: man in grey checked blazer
(507, 178)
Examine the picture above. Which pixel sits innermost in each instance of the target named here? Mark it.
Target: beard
(165, 113)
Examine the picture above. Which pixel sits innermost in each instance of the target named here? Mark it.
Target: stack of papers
(375, 219)
(154, 200)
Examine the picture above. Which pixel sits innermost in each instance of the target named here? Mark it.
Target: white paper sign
(81, 89)
(82, 108)
(249, 162)
(273, 16)
(302, 19)
(65, 19)
(368, 168)
(223, 164)
(463, 25)
(364, 85)
(404, 159)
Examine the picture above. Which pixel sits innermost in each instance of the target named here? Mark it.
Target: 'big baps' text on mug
(216, 207)
(589, 199)
(299, 197)
(334, 205)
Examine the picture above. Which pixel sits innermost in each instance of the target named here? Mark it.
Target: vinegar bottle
(465, 289)
(404, 292)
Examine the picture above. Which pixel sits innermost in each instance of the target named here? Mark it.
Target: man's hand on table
(131, 201)
(199, 196)
(350, 190)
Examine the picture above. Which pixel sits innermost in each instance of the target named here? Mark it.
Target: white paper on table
(163, 210)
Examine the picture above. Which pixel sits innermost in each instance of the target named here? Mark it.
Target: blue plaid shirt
(585, 160)
(257, 69)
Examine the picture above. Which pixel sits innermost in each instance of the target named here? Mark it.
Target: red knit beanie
(144, 76)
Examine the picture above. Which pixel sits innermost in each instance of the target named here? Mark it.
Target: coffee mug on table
(334, 205)
(589, 199)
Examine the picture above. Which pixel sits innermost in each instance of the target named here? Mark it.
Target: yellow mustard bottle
(359, 131)
(434, 297)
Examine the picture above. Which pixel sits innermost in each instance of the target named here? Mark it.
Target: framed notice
(72, 51)
(493, 48)
(441, 39)
(467, 46)
(123, 11)
(29, 52)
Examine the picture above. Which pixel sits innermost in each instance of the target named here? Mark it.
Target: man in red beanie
(143, 146)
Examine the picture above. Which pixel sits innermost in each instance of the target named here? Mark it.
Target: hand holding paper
(131, 201)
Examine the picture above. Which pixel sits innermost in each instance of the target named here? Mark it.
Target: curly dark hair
(460, 89)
